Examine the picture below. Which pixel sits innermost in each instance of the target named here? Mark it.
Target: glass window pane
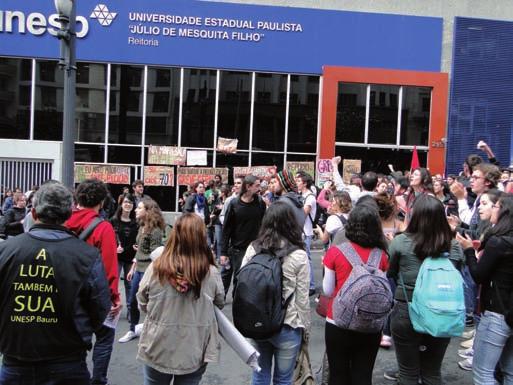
(125, 155)
(235, 106)
(269, 112)
(14, 98)
(199, 92)
(303, 113)
(125, 122)
(266, 159)
(383, 114)
(351, 103)
(48, 101)
(89, 153)
(377, 159)
(415, 116)
(90, 102)
(163, 106)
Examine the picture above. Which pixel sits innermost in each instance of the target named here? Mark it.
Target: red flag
(414, 159)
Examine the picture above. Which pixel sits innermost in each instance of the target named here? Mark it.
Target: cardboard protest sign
(104, 172)
(350, 167)
(294, 167)
(227, 145)
(323, 172)
(258, 171)
(167, 155)
(159, 176)
(190, 175)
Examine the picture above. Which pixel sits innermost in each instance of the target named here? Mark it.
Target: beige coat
(296, 279)
(180, 333)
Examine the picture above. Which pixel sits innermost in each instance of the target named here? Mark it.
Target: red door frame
(438, 81)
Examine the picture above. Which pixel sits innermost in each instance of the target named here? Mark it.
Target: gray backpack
(365, 300)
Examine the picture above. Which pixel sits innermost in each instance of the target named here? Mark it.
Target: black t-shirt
(126, 233)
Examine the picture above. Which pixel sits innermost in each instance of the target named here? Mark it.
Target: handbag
(322, 305)
(303, 370)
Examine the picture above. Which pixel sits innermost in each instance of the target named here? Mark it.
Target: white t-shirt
(312, 202)
(333, 224)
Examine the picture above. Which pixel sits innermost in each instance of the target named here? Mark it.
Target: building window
(383, 116)
(235, 106)
(303, 114)
(163, 105)
(48, 101)
(415, 116)
(198, 110)
(269, 112)
(125, 122)
(351, 105)
(82, 73)
(47, 71)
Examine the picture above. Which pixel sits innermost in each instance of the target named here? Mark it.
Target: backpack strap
(342, 219)
(375, 258)
(84, 235)
(350, 253)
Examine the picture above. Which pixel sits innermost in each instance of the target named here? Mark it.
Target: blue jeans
(101, 354)
(218, 233)
(135, 314)
(154, 377)
(284, 347)
(63, 373)
(125, 266)
(493, 344)
(308, 243)
(470, 290)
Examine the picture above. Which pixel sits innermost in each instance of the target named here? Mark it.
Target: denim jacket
(180, 333)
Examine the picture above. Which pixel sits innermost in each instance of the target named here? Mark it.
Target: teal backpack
(438, 304)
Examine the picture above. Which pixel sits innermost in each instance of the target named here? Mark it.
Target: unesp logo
(103, 15)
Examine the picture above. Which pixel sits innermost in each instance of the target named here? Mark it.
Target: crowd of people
(64, 253)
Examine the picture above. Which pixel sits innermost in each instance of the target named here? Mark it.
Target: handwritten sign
(324, 171)
(168, 155)
(104, 172)
(159, 176)
(190, 175)
(196, 157)
(308, 167)
(258, 171)
(226, 145)
(350, 167)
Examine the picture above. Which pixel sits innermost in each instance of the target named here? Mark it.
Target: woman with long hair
(420, 183)
(178, 292)
(149, 237)
(351, 354)
(126, 228)
(428, 235)
(280, 235)
(493, 269)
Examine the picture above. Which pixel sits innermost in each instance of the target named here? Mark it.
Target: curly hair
(153, 218)
(91, 193)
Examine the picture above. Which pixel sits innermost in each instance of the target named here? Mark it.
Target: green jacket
(403, 260)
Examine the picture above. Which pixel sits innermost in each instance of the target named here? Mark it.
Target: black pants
(418, 355)
(351, 355)
(235, 256)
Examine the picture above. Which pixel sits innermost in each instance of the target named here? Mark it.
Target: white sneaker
(466, 364)
(468, 334)
(466, 353)
(129, 336)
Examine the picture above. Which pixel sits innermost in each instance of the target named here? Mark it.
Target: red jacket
(104, 239)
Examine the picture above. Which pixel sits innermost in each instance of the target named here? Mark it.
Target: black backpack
(258, 306)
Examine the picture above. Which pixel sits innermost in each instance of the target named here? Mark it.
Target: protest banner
(227, 145)
(196, 157)
(308, 167)
(104, 172)
(350, 167)
(159, 176)
(167, 155)
(190, 175)
(324, 171)
(258, 171)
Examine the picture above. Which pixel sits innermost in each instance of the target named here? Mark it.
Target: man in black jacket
(241, 225)
(53, 294)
